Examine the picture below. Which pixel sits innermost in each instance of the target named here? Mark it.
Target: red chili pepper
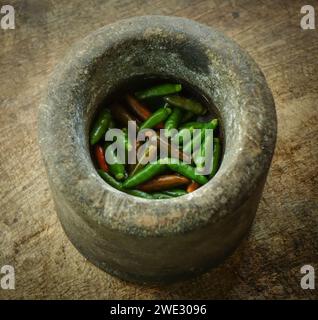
(164, 182)
(141, 110)
(100, 157)
(192, 186)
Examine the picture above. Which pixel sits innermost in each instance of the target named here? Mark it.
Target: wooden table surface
(284, 236)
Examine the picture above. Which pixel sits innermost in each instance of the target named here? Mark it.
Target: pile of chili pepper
(159, 107)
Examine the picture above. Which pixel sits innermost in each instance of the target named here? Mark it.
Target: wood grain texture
(284, 236)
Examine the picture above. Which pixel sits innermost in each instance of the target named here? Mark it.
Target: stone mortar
(151, 241)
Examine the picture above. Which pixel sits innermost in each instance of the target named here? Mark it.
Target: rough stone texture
(284, 235)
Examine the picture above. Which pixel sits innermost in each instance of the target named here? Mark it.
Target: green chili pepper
(116, 166)
(187, 171)
(119, 186)
(150, 152)
(179, 137)
(199, 156)
(158, 116)
(100, 126)
(216, 156)
(144, 174)
(161, 195)
(173, 120)
(196, 140)
(127, 142)
(141, 194)
(110, 180)
(195, 125)
(117, 170)
(200, 125)
(175, 192)
(160, 90)
(185, 103)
